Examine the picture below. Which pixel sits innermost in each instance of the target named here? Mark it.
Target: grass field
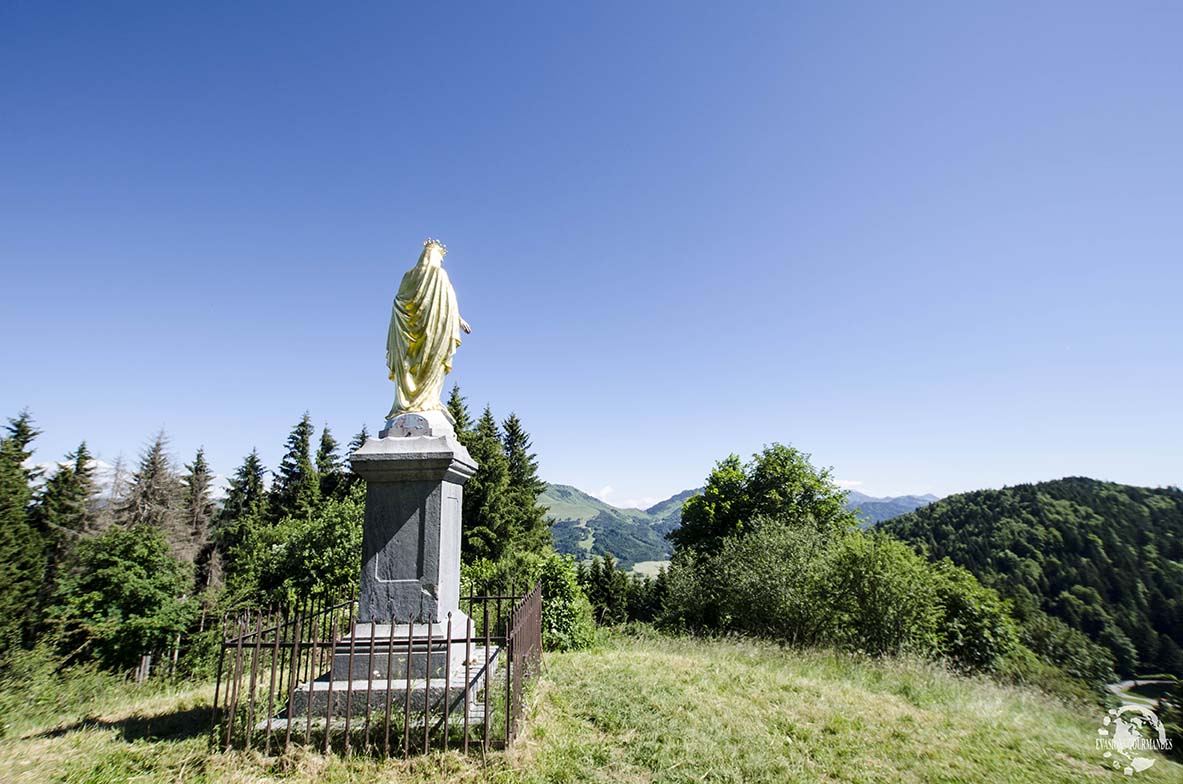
(635, 709)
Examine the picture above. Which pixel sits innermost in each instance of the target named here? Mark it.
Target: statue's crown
(427, 243)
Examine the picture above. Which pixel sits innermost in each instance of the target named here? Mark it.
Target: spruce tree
(458, 408)
(358, 440)
(245, 508)
(67, 502)
(348, 478)
(65, 512)
(22, 558)
(247, 493)
(198, 510)
(328, 465)
(154, 498)
(529, 528)
(486, 531)
(296, 491)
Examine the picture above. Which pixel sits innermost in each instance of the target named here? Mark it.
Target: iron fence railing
(313, 675)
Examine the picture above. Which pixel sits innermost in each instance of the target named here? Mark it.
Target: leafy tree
(296, 491)
(299, 558)
(486, 514)
(329, 468)
(529, 528)
(458, 408)
(567, 622)
(778, 483)
(22, 558)
(124, 599)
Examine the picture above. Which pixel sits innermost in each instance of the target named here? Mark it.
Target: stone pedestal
(410, 578)
(415, 473)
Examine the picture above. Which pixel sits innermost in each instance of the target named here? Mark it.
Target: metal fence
(314, 676)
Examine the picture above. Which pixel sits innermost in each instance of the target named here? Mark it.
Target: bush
(862, 592)
(566, 613)
(976, 628)
(123, 599)
(1057, 643)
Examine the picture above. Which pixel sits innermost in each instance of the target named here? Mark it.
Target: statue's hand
(464, 326)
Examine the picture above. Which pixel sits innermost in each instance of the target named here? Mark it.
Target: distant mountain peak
(586, 526)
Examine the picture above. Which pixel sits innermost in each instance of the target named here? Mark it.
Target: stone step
(326, 696)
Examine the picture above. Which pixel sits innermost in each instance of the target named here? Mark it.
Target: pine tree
(245, 508)
(22, 558)
(486, 520)
(458, 408)
(154, 498)
(348, 478)
(296, 491)
(67, 503)
(358, 440)
(328, 465)
(529, 528)
(198, 510)
(64, 512)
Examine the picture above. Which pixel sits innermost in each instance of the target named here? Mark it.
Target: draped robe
(424, 333)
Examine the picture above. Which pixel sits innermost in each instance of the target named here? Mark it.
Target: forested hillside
(1104, 558)
(585, 526)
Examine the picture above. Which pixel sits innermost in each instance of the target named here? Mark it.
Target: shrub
(123, 600)
(863, 592)
(976, 629)
(566, 613)
(885, 601)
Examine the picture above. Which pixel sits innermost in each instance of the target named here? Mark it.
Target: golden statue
(424, 332)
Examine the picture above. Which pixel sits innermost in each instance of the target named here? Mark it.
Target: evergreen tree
(358, 440)
(349, 479)
(64, 513)
(154, 498)
(22, 560)
(198, 510)
(458, 408)
(296, 490)
(328, 465)
(485, 510)
(247, 493)
(529, 528)
(67, 502)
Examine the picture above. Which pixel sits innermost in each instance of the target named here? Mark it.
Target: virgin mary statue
(424, 332)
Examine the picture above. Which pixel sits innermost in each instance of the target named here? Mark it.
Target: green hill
(585, 526)
(1103, 557)
(652, 709)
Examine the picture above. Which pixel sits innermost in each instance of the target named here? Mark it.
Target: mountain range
(585, 526)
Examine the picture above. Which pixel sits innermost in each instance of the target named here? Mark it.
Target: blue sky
(936, 246)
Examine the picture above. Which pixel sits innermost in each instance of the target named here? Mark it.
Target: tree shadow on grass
(175, 725)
